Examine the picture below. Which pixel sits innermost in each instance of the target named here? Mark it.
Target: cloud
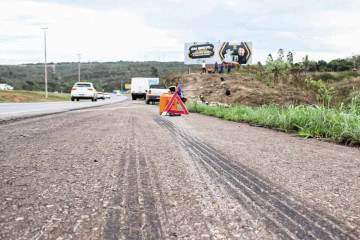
(98, 35)
(112, 30)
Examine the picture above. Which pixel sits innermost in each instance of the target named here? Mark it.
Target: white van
(139, 86)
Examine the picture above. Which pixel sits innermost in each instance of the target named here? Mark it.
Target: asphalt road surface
(122, 171)
(10, 111)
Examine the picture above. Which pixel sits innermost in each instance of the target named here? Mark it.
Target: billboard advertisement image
(211, 52)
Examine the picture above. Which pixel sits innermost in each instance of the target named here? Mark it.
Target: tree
(339, 65)
(313, 66)
(269, 58)
(280, 54)
(278, 68)
(154, 72)
(290, 58)
(322, 65)
(305, 63)
(356, 60)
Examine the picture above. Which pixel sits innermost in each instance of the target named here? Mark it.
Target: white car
(83, 90)
(4, 86)
(107, 95)
(100, 95)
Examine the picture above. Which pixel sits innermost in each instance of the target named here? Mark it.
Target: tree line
(106, 76)
(336, 65)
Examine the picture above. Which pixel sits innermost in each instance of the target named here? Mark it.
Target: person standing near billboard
(216, 67)
(228, 67)
(203, 66)
(222, 65)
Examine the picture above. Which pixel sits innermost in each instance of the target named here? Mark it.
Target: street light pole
(46, 91)
(79, 55)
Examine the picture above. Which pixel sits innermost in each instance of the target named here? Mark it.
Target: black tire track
(282, 215)
(153, 230)
(112, 227)
(133, 189)
(132, 205)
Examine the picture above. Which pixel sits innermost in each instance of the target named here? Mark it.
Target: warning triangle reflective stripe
(177, 98)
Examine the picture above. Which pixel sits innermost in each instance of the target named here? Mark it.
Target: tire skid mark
(114, 215)
(247, 191)
(153, 228)
(297, 219)
(157, 186)
(247, 203)
(311, 222)
(321, 219)
(293, 211)
(244, 201)
(133, 210)
(206, 207)
(133, 214)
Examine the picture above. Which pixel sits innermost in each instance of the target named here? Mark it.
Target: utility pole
(46, 91)
(79, 56)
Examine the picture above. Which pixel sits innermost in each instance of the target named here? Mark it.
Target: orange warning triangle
(177, 98)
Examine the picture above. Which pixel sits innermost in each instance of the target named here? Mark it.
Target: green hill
(62, 76)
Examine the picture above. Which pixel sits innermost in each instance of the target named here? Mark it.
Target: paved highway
(15, 110)
(122, 171)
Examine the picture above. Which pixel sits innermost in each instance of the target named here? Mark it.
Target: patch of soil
(243, 90)
(9, 96)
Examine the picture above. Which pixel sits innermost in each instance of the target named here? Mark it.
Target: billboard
(211, 52)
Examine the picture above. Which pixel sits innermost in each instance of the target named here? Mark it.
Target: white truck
(140, 86)
(154, 92)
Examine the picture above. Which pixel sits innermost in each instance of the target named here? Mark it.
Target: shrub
(324, 76)
(278, 68)
(324, 92)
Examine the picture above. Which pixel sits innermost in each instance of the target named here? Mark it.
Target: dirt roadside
(124, 172)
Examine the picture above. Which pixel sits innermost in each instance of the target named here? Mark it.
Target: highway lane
(10, 111)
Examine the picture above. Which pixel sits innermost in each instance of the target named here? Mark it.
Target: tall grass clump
(341, 125)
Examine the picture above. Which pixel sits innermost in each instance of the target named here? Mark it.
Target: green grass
(340, 125)
(31, 96)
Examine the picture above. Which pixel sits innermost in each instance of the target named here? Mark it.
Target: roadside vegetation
(333, 114)
(18, 96)
(341, 125)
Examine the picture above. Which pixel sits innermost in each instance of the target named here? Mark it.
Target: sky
(156, 30)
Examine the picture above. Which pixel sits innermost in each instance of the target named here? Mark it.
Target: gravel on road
(122, 171)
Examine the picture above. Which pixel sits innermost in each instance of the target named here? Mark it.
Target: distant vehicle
(154, 92)
(139, 86)
(83, 90)
(4, 86)
(100, 95)
(107, 95)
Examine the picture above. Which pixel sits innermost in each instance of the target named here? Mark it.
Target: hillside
(246, 91)
(251, 92)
